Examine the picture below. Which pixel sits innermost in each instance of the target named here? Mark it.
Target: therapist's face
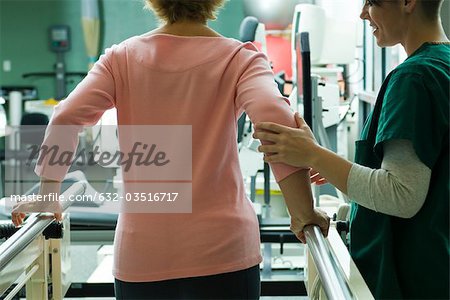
(386, 19)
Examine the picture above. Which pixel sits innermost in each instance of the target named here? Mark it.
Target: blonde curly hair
(172, 11)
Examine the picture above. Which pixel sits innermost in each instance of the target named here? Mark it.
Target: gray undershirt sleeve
(399, 188)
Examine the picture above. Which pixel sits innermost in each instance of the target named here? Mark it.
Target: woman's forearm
(332, 167)
(296, 189)
(49, 186)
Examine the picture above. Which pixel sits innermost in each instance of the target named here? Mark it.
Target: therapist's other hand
(318, 217)
(292, 146)
(316, 177)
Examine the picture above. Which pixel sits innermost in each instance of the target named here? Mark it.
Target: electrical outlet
(6, 66)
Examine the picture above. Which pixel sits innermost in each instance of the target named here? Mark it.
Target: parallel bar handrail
(17, 288)
(34, 226)
(331, 276)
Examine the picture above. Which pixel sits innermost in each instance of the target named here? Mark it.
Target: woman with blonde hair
(186, 73)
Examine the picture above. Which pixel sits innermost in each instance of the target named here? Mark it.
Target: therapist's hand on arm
(298, 147)
(398, 188)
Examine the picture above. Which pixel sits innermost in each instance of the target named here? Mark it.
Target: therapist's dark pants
(243, 284)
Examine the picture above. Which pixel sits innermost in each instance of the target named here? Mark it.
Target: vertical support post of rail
(59, 250)
(37, 286)
(310, 271)
(56, 270)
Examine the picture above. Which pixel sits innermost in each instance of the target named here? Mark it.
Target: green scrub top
(408, 258)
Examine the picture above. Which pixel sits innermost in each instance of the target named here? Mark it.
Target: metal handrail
(331, 276)
(34, 226)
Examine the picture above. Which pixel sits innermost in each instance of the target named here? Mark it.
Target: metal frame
(29, 259)
(330, 266)
(330, 275)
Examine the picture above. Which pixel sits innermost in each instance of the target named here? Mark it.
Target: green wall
(24, 25)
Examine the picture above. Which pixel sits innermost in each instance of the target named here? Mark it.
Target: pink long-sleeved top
(206, 82)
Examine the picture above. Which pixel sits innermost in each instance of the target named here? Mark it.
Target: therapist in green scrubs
(399, 183)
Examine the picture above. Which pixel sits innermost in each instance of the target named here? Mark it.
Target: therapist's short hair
(431, 9)
(172, 11)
